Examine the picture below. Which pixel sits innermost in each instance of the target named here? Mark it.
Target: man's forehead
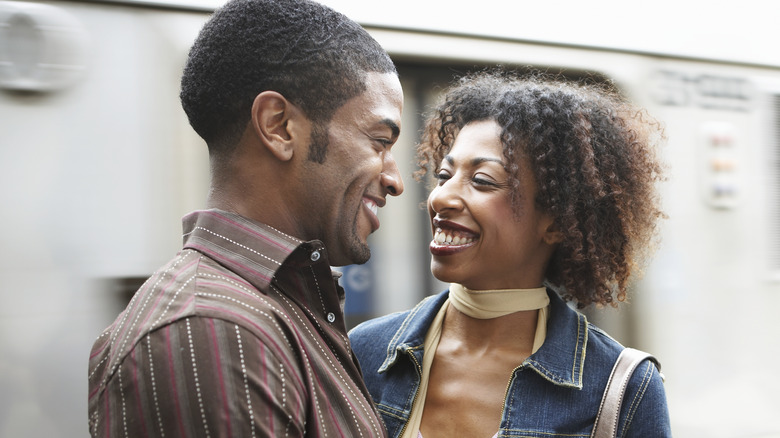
(380, 105)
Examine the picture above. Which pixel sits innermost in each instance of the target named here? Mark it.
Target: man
(242, 333)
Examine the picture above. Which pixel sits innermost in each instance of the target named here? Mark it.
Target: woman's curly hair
(593, 156)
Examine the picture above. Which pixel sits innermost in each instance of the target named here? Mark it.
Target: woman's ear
(552, 234)
(276, 122)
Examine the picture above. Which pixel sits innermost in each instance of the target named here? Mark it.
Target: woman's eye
(442, 176)
(483, 181)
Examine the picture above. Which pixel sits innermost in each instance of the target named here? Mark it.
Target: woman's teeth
(445, 238)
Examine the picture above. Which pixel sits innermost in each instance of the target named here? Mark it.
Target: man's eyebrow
(393, 126)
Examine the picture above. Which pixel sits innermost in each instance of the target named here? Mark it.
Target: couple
(542, 189)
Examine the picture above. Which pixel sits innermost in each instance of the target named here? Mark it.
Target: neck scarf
(487, 304)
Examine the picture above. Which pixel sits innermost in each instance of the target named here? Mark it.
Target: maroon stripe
(108, 416)
(226, 274)
(228, 286)
(280, 351)
(126, 328)
(216, 255)
(137, 390)
(102, 347)
(265, 237)
(174, 278)
(269, 394)
(172, 381)
(183, 309)
(330, 405)
(220, 377)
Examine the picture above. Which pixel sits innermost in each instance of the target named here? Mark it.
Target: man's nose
(391, 177)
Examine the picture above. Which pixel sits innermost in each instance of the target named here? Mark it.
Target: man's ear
(277, 123)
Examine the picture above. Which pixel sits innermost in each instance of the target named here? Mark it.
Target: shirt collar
(559, 360)
(252, 250)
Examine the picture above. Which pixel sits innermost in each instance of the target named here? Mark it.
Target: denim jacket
(556, 392)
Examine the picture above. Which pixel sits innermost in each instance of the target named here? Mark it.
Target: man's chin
(361, 256)
(357, 253)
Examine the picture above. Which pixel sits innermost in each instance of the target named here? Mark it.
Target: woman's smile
(450, 238)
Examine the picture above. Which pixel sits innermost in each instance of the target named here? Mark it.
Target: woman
(545, 194)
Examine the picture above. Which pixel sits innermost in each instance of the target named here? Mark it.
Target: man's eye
(386, 143)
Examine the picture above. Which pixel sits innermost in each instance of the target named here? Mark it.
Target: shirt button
(315, 256)
(331, 317)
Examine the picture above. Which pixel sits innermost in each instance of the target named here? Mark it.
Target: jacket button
(315, 256)
(331, 317)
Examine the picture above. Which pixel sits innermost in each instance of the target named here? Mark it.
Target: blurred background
(98, 164)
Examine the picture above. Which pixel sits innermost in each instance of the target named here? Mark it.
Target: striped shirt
(242, 334)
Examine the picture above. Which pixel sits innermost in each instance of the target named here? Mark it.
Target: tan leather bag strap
(611, 401)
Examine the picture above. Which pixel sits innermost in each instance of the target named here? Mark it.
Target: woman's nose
(445, 196)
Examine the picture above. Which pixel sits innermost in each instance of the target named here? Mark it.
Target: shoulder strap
(609, 410)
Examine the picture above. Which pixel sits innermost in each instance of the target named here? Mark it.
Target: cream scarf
(482, 304)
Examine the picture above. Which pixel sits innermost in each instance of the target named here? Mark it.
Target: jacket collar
(559, 360)
(411, 334)
(562, 356)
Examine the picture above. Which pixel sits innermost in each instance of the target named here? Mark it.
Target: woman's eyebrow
(475, 161)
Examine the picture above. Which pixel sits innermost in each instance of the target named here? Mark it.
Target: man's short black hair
(314, 56)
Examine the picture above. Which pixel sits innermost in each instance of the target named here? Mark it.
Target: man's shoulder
(219, 293)
(191, 287)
